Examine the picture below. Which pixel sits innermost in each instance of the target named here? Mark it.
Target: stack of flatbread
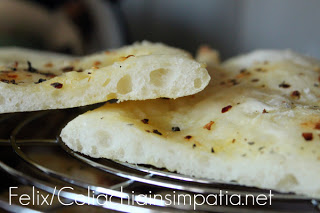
(257, 122)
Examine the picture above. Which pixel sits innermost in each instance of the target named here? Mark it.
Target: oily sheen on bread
(34, 80)
(257, 123)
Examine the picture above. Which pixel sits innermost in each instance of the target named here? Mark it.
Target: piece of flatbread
(257, 123)
(34, 80)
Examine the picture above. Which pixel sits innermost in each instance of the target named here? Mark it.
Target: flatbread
(34, 80)
(257, 123)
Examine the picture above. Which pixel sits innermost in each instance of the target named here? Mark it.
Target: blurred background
(231, 26)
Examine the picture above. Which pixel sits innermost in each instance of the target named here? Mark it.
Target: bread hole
(287, 182)
(197, 83)
(157, 77)
(124, 85)
(106, 82)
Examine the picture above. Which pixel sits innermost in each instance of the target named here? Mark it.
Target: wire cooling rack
(36, 162)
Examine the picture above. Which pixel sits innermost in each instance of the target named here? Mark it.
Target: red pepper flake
(68, 69)
(97, 63)
(148, 131)
(284, 85)
(48, 64)
(57, 85)
(295, 94)
(156, 132)
(233, 140)
(145, 121)
(194, 146)
(319, 79)
(317, 126)
(265, 111)
(188, 137)
(124, 58)
(12, 76)
(226, 109)
(307, 136)
(208, 125)
(50, 75)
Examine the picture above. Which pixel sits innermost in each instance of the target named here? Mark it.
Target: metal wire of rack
(122, 182)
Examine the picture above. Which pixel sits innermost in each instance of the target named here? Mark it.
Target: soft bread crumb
(137, 72)
(257, 142)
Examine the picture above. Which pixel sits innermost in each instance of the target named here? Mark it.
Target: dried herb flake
(156, 132)
(175, 129)
(30, 68)
(284, 85)
(57, 85)
(145, 121)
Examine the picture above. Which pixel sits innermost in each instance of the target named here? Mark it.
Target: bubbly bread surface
(34, 80)
(257, 123)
